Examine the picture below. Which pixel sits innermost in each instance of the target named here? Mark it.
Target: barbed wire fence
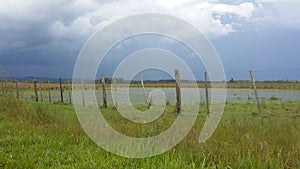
(52, 91)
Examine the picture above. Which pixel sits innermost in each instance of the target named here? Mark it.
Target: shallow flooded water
(136, 95)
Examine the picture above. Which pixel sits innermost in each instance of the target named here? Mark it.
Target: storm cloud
(43, 38)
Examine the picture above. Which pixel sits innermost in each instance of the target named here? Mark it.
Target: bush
(273, 97)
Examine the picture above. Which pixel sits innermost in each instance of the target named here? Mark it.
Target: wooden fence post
(41, 92)
(82, 93)
(256, 93)
(61, 90)
(206, 92)
(35, 91)
(49, 92)
(17, 90)
(104, 91)
(70, 97)
(145, 94)
(115, 90)
(178, 92)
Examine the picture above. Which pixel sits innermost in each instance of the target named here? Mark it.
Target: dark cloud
(28, 48)
(272, 53)
(43, 38)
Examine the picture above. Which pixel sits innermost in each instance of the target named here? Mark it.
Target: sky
(44, 38)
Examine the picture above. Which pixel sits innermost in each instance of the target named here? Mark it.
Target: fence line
(22, 91)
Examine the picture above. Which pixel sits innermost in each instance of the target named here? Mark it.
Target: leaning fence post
(61, 90)
(256, 93)
(104, 91)
(145, 94)
(178, 92)
(206, 92)
(35, 91)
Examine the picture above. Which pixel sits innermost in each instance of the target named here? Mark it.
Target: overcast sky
(44, 38)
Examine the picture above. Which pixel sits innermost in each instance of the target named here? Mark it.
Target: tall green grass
(43, 135)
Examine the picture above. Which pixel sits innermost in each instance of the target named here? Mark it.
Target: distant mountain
(40, 79)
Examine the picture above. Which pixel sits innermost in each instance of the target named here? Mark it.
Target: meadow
(48, 135)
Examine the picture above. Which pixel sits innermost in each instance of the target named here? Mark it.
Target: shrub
(273, 97)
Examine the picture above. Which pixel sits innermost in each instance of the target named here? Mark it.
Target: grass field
(44, 135)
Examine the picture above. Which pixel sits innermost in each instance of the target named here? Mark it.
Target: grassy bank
(43, 135)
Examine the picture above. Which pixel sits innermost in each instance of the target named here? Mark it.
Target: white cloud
(78, 19)
(82, 17)
(85, 16)
(243, 10)
(80, 27)
(282, 13)
(202, 14)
